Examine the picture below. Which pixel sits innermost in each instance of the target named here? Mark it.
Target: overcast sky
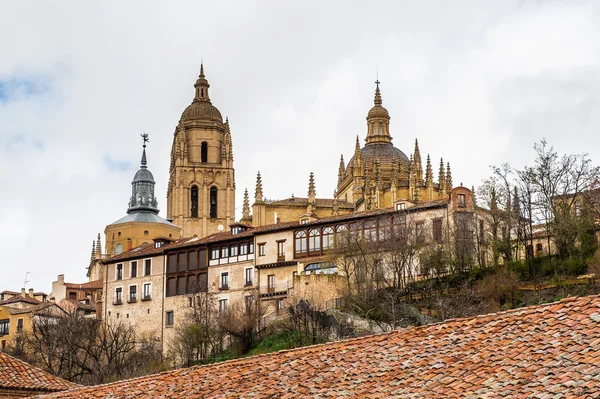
(476, 82)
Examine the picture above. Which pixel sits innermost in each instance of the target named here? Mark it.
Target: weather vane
(145, 137)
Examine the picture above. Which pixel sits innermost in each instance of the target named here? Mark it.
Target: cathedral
(201, 187)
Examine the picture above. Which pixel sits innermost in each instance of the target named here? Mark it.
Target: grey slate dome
(143, 175)
(142, 190)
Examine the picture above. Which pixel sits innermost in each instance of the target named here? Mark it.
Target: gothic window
(194, 202)
(204, 152)
(213, 202)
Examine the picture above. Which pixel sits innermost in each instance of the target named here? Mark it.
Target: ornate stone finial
(442, 176)
(246, 207)
(448, 178)
(418, 166)
(144, 160)
(258, 194)
(201, 87)
(312, 202)
(98, 247)
(311, 186)
(341, 171)
(377, 99)
(93, 257)
(428, 173)
(357, 147)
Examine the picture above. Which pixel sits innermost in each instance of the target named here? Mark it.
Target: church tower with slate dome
(142, 222)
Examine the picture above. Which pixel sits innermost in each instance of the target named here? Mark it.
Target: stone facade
(201, 189)
(140, 300)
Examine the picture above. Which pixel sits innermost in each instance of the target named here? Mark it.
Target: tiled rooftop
(544, 351)
(89, 285)
(18, 375)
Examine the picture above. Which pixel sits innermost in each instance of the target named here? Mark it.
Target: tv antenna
(26, 281)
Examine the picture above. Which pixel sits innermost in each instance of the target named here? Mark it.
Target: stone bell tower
(201, 190)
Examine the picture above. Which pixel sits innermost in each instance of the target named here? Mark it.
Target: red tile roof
(543, 351)
(90, 285)
(15, 374)
(20, 298)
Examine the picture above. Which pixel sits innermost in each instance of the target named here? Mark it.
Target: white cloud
(475, 82)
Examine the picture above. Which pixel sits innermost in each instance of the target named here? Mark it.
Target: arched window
(213, 202)
(300, 238)
(314, 240)
(204, 152)
(539, 247)
(118, 249)
(194, 202)
(145, 232)
(380, 127)
(328, 238)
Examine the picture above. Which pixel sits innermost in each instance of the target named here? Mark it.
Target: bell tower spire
(201, 191)
(378, 121)
(201, 87)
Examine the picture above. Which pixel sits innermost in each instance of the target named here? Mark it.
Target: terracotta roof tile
(544, 351)
(18, 375)
(90, 285)
(20, 298)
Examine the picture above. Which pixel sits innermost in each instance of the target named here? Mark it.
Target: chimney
(23, 292)
(61, 278)
(31, 292)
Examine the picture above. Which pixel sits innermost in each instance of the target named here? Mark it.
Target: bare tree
(198, 338)
(241, 321)
(88, 351)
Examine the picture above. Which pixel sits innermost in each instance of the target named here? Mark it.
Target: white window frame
(117, 271)
(143, 296)
(131, 268)
(251, 276)
(223, 301)
(115, 294)
(223, 274)
(129, 292)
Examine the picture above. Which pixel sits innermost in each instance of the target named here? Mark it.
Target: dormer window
(303, 221)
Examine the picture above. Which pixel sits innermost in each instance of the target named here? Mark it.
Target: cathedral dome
(201, 111)
(385, 154)
(378, 111)
(143, 175)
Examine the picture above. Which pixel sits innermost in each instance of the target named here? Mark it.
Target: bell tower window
(194, 202)
(213, 202)
(204, 152)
